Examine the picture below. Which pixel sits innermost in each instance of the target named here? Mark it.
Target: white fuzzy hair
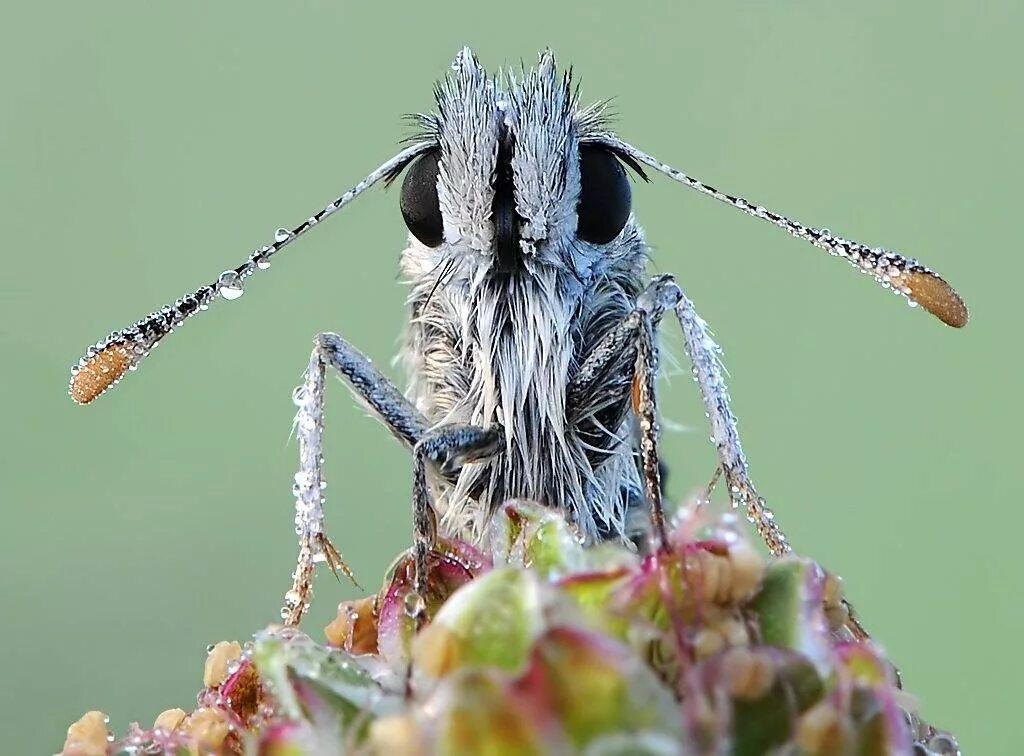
(484, 347)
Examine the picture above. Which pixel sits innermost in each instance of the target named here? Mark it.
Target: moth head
(513, 177)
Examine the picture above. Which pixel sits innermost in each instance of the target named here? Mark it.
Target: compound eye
(605, 196)
(420, 207)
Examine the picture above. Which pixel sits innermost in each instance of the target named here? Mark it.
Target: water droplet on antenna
(229, 285)
(282, 235)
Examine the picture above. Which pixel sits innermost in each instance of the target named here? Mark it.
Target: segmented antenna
(106, 362)
(903, 275)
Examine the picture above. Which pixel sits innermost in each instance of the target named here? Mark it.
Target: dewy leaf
(450, 565)
(790, 612)
(528, 535)
(595, 686)
(492, 622)
(305, 676)
(474, 711)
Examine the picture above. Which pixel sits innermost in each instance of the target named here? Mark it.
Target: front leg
(446, 448)
(378, 394)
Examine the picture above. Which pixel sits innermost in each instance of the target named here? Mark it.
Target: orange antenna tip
(98, 372)
(938, 298)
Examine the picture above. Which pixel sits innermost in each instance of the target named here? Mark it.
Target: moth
(531, 337)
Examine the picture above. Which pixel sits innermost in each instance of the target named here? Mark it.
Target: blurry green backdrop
(146, 147)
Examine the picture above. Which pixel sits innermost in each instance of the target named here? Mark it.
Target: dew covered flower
(531, 643)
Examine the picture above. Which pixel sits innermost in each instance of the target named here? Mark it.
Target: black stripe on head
(508, 253)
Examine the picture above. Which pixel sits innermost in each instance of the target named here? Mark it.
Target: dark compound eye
(420, 207)
(605, 196)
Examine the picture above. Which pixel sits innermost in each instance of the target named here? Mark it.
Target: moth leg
(446, 449)
(373, 389)
(645, 406)
(613, 372)
(623, 366)
(706, 357)
(385, 401)
(665, 294)
(709, 489)
(599, 385)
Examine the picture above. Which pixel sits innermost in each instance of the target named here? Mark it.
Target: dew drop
(943, 744)
(292, 598)
(414, 604)
(282, 235)
(262, 263)
(230, 285)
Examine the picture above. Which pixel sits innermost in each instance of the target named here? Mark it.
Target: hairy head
(512, 175)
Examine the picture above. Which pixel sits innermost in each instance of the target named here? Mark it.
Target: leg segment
(705, 355)
(645, 373)
(623, 366)
(382, 398)
(445, 448)
(373, 389)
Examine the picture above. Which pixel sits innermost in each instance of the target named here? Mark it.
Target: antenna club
(98, 372)
(939, 298)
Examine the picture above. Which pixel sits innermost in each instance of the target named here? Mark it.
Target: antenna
(106, 362)
(903, 275)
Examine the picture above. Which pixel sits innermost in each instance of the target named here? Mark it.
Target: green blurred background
(147, 147)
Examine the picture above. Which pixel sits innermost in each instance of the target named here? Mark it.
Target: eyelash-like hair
(424, 134)
(627, 159)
